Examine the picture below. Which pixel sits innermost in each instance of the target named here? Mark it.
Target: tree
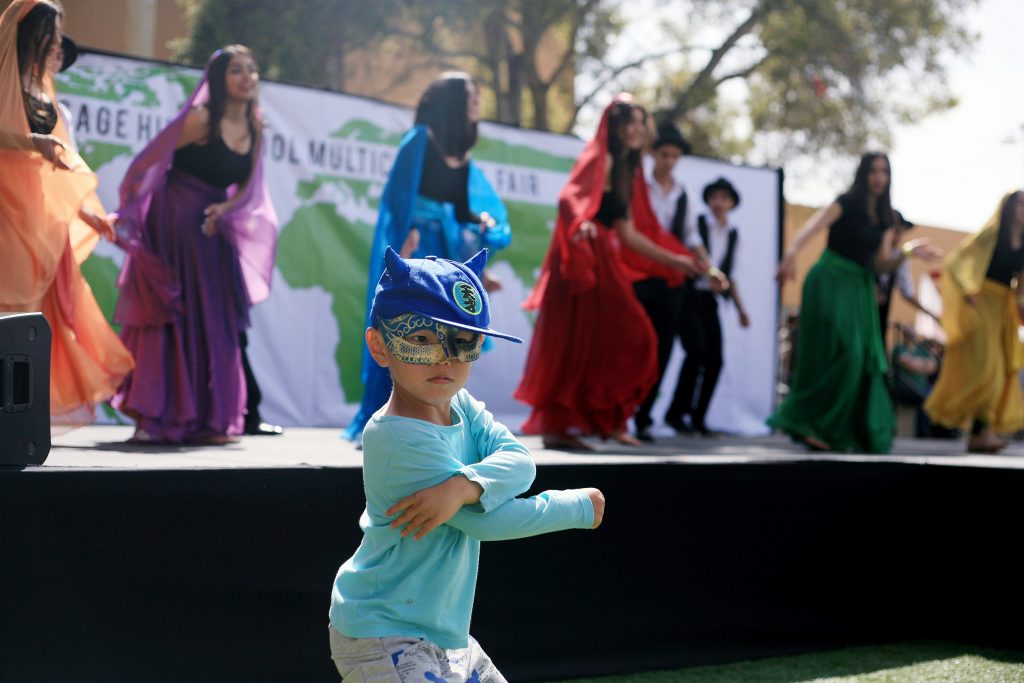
(526, 53)
(301, 41)
(820, 74)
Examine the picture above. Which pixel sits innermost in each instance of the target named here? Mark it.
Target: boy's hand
(597, 499)
(429, 508)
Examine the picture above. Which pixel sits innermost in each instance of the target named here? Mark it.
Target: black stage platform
(120, 563)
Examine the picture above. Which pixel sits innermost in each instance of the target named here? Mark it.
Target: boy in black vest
(699, 328)
(669, 202)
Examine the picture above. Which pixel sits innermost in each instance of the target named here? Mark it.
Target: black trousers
(252, 388)
(662, 306)
(700, 331)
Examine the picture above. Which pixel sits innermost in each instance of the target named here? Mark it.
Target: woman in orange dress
(50, 218)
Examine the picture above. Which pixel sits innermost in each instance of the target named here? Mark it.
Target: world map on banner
(327, 159)
(325, 180)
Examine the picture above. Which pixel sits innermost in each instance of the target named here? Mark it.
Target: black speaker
(24, 388)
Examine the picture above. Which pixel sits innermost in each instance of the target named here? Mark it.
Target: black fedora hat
(725, 186)
(668, 134)
(70, 50)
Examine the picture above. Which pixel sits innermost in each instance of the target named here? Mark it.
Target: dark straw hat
(725, 186)
(668, 134)
(70, 51)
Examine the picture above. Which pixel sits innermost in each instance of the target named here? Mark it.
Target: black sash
(726, 265)
(679, 218)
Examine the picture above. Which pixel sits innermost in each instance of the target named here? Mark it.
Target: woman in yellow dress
(982, 301)
(50, 218)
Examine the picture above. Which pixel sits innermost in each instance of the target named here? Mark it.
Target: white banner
(328, 156)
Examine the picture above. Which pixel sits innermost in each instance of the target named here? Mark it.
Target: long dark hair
(1006, 216)
(859, 190)
(216, 72)
(36, 34)
(625, 161)
(443, 108)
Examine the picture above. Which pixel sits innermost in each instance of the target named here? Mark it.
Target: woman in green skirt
(838, 399)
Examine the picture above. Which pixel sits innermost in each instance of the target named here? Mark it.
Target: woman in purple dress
(200, 232)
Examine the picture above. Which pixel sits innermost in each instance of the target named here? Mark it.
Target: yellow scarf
(964, 274)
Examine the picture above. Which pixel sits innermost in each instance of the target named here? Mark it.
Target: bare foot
(816, 443)
(565, 442)
(625, 438)
(985, 444)
(141, 436)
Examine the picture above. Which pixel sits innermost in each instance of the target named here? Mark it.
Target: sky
(950, 169)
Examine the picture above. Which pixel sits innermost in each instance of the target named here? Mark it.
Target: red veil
(592, 357)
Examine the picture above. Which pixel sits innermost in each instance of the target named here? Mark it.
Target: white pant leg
(368, 660)
(408, 660)
(426, 662)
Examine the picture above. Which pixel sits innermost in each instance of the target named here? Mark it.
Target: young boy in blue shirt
(440, 475)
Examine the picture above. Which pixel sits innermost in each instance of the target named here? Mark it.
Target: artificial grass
(921, 662)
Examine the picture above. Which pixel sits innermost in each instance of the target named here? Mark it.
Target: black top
(45, 124)
(214, 163)
(611, 210)
(443, 183)
(1006, 262)
(854, 236)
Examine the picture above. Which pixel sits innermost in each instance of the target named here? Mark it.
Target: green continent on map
(365, 131)
(101, 274)
(319, 248)
(307, 189)
(531, 236)
(114, 86)
(501, 152)
(97, 154)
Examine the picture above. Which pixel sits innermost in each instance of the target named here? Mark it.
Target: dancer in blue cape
(436, 202)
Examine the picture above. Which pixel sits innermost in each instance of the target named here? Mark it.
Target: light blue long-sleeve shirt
(394, 586)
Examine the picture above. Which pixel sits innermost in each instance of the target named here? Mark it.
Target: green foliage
(301, 41)
(823, 75)
(524, 53)
(819, 75)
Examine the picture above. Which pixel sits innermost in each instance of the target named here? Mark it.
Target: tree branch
(742, 73)
(704, 78)
(432, 47)
(615, 73)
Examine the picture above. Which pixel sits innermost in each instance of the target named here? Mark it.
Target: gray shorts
(402, 660)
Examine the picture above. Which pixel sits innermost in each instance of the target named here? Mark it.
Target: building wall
(797, 215)
(142, 28)
(149, 28)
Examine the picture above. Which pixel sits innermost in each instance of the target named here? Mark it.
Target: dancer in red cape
(592, 357)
